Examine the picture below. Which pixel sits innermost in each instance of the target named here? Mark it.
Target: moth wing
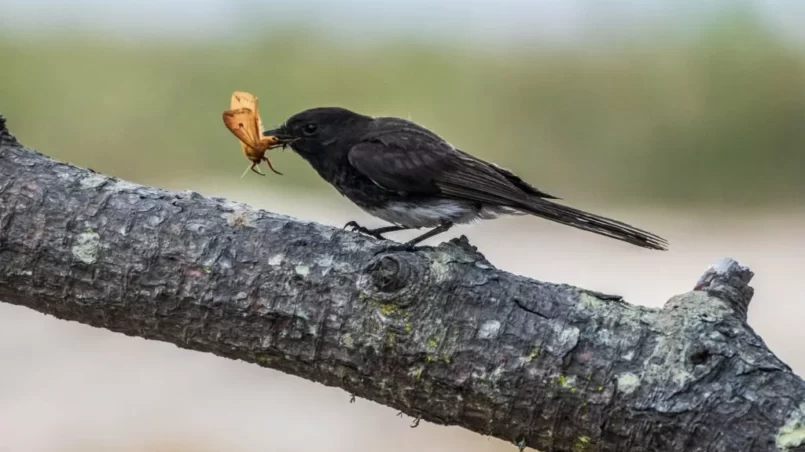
(242, 123)
(242, 99)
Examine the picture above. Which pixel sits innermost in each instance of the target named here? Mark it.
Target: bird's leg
(409, 245)
(376, 233)
(435, 231)
(379, 231)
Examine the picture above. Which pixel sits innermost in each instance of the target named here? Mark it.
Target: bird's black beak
(273, 132)
(281, 133)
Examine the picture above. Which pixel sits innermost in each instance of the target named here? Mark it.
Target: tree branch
(438, 334)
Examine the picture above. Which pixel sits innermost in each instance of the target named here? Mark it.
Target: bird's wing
(412, 160)
(401, 161)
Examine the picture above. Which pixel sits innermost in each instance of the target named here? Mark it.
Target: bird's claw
(355, 227)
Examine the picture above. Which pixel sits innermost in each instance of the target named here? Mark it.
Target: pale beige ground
(67, 387)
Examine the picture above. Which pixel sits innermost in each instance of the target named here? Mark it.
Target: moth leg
(271, 166)
(256, 169)
(252, 167)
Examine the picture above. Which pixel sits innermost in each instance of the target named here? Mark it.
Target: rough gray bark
(438, 334)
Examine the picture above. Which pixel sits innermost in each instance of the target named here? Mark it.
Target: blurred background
(686, 118)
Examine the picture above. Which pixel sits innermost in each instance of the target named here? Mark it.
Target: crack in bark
(525, 308)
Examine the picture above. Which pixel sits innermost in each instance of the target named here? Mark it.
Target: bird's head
(320, 131)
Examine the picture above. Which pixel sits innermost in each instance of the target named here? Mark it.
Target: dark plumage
(407, 175)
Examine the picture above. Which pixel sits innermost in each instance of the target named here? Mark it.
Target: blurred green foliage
(713, 117)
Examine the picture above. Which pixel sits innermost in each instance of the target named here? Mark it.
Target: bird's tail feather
(594, 223)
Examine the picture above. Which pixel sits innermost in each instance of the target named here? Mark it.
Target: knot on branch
(395, 277)
(728, 280)
(390, 273)
(400, 277)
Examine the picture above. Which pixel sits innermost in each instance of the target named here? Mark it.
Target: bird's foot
(355, 227)
(376, 233)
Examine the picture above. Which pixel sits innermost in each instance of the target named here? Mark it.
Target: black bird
(407, 175)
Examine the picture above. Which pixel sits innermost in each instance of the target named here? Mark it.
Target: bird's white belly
(432, 213)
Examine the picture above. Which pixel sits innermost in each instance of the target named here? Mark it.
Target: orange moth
(243, 120)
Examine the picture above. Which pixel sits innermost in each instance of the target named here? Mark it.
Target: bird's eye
(310, 129)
